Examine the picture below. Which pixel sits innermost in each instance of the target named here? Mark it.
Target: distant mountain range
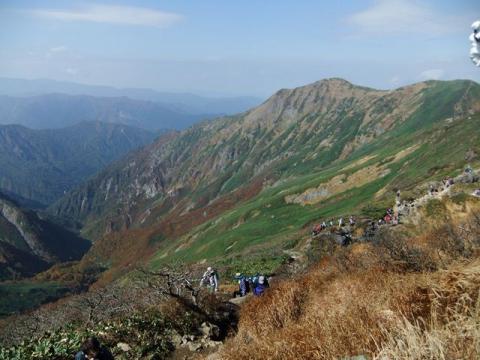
(54, 111)
(29, 244)
(39, 166)
(178, 103)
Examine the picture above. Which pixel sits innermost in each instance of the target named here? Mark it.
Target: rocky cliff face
(21, 224)
(293, 132)
(29, 244)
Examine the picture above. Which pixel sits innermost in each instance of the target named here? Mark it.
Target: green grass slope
(266, 223)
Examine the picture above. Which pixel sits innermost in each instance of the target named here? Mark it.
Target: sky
(225, 48)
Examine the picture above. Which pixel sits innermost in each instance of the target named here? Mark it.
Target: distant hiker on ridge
(351, 220)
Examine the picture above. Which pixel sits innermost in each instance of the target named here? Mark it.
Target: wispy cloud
(432, 74)
(58, 49)
(403, 16)
(124, 15)
(55, 50)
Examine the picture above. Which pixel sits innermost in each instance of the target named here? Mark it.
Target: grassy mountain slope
(40, 165)
(254, 181)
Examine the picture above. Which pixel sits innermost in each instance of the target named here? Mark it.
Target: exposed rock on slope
(29, 244)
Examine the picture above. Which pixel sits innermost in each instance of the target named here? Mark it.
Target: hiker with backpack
(210, 279)
(243, 286)
(261, 286)
(91, 349)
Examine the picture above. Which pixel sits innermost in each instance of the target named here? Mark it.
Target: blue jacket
(259, 289)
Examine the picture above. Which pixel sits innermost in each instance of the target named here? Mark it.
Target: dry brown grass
(452, 329)
(361, 302)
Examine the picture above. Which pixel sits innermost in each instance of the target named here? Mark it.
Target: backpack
(259, 289)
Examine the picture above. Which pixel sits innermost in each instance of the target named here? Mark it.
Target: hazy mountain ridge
(40, 165)
(53, 111)
(179, 103)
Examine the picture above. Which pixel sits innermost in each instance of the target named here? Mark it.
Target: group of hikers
(91, 349)
(390, 218)
(318, 228)
(446, 183)
(255, 284)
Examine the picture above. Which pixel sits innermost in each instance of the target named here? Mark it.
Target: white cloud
(125, 15)
(54, 51)
(58, 49)
(404, 16)
(432, 74)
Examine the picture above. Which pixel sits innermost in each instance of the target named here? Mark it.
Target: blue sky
(215, 47)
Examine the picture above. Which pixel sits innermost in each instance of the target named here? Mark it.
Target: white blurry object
(475, 41)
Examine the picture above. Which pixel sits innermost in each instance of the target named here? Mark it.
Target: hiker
(430, 190)
(243, 286)
(260, 287)
(340, 222)
(346, 238)
(91, 349)
(387, 218)
(351, 220)
(316, 230)
(324, 225)
(395, 220)
(210, 279)
(254, 280)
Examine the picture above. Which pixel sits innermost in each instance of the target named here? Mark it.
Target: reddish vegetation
(128, 247)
